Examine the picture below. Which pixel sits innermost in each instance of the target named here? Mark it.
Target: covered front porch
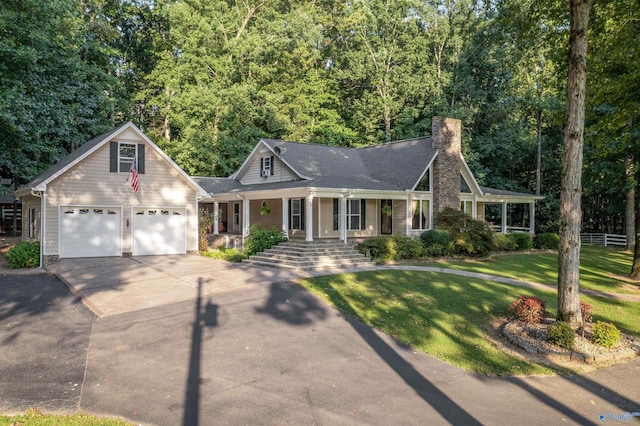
(349, 216)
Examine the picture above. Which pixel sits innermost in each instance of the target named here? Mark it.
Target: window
(122, 154)
(127, 153)
(296, 214)
(355, 215)
(33, 223)
(266, 166)
(464, 186)
(425, 182)
(420, 212)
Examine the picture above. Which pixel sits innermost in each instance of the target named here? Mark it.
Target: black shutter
(272, 165)
(303, 201)
(261, 166)
(289, 215)
(336, 214)
(141, 158)
(363, 214)
(113, 157)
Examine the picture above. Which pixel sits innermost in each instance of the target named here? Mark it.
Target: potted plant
(386, 209)
(221, 227)
(265, 210)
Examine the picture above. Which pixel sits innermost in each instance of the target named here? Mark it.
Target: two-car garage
(97, 231)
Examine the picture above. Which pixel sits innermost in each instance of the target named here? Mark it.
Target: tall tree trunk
(635, 267)
(630, 207)
(539, 154)
(571, 187)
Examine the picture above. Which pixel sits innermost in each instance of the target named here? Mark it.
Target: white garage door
(159, 231)
(90, 231)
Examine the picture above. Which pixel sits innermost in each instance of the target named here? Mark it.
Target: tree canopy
(206, 78)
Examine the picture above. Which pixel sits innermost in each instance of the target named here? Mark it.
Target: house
(89, 205)
(320, 192)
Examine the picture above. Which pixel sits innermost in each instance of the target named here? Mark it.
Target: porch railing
(604, 239)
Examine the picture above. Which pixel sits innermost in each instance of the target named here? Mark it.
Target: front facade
(86, 205)
(323, 192)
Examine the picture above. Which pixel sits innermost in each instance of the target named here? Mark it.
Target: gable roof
(40, 182)
(393, 166)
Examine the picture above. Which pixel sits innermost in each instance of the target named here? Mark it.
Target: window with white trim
(267, 166)
(354, 215)
(127, 153)
(296, 214)
(420, 215)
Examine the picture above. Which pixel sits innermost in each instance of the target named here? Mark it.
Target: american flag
(134, 176)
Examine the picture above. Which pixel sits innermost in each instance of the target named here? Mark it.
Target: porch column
(343, 219)
(408, 216)
(309, 218)
(245, 217)
(285, 217)
(504, 217)
(532, 217)
(216, 217)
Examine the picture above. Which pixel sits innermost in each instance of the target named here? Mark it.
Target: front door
(386, 217)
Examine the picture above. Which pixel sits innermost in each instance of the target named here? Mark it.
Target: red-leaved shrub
(529, 309)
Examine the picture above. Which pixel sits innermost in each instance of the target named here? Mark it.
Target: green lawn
(36, 418)
(601, 268)
(449, 316)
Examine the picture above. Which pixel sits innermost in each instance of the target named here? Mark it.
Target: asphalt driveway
(257, 353)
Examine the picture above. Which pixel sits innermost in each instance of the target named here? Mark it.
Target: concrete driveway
(115, 285)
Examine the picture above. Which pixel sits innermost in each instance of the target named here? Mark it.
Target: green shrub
(382, 248)
(24, 255)
(260, 239)
(605, 334)
(504, 243)
(470, 237)
(561, 334)
(392, 248)
(529, 309)
(407, 247)
(436, 242)
(205, 220)
(230, 255)
(546, 240)
(522, 240)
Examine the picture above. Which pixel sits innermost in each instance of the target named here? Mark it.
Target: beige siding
(30, 202)
(90, 183)
(281, 173)
(272, 219)
(399, 216)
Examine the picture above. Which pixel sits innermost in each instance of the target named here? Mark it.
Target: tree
(571, 186)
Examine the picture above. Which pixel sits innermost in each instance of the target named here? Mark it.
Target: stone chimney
(446, 137)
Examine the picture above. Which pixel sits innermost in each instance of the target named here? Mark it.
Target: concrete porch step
(303, 255)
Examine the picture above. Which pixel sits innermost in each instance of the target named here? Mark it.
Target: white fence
(604, 239)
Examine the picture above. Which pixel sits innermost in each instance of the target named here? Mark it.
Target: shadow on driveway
(44, 338)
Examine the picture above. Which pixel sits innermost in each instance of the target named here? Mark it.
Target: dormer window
(266, 166)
